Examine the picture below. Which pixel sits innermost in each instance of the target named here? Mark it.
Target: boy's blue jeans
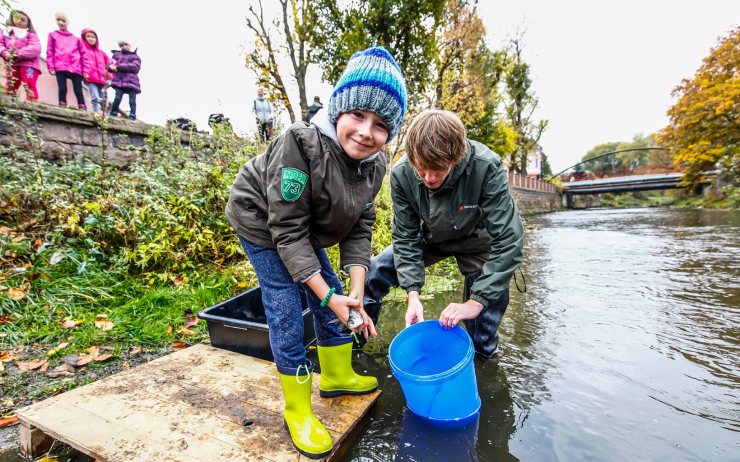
(382, 276)
(283, 308)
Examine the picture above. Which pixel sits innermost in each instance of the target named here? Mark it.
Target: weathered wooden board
(200, 403)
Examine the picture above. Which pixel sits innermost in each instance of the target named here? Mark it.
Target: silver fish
(355, 320)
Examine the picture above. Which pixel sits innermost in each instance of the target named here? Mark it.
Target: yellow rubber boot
(337, 376)
(308, 435)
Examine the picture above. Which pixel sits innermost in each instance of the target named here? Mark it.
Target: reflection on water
(625, 347)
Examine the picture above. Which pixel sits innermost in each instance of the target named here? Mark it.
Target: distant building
(535, 162)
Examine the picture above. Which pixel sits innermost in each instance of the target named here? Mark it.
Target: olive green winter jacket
(305, 193)
(471, 217)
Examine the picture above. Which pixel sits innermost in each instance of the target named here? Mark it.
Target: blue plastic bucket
(434, 366)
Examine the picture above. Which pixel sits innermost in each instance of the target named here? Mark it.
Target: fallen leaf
(191, 321)
(2, 367)
(31, 365)
(63, 370)
(102, 358)
(8, 403)
(169, 329)
(179, 345)
(125, 366)
(134, 351)
(70, 324)
(185, 331)
(18, 238)
(48, 459)
(83, 359)
(2, 288)
(33, 276)
(36, 244)
(103, 324)
(176, 280)
(6, 319)
(56, 350)
(16, 294)
(94, 351)
(10, 355)
(4, 230)
(56, 258)
(8, 421)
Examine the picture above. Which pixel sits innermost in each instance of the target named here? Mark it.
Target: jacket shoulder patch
(293, 182)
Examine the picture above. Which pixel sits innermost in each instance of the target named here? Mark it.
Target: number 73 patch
(292, 184)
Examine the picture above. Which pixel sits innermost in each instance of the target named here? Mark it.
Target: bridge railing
(532, 184)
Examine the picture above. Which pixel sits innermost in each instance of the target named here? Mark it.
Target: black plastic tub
(239, 324)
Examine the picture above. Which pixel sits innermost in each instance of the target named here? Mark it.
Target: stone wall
(530, 202)
(63, 133)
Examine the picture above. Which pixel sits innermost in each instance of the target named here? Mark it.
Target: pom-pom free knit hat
(373, 82)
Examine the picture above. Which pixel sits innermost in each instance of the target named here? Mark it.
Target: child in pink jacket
(65, 58)
(97, 69)
(21, 49)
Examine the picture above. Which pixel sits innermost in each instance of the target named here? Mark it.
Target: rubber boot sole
(335, 393)
(307, 454)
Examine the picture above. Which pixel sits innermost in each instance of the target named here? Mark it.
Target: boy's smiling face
(361, 133)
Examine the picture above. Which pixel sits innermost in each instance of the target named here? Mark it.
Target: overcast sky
(603, 71)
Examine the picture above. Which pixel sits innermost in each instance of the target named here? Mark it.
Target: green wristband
(325, 301)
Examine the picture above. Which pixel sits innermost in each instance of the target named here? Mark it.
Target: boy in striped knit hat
(313, 188)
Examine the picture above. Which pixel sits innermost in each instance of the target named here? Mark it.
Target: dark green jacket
(305, 193)
(471, 217)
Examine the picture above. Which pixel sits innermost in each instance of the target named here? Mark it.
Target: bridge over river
(625, 170)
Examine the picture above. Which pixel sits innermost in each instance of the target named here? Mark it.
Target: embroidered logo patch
(293, 183)
(465, 207)
(368, 206)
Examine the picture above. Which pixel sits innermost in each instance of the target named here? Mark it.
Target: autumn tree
(405, 27)
(521, 106)
(288, 34)
(704, 124)
(641, 151)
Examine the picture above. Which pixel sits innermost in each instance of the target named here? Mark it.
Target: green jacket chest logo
(293, 183)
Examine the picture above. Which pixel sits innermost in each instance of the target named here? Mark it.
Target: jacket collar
(328, 129)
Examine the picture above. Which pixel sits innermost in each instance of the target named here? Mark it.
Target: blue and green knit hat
(373, 82)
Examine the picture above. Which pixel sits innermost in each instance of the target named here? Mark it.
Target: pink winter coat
(97, 60)
(27, 49)
(65, 52)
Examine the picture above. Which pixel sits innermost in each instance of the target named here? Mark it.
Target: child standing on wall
(313, 188)
(126, 65)
(21, 49)
(65, 59)
(97, 65)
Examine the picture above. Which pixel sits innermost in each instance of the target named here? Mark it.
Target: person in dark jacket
(312, 188)
(315, 107)
(450, 198)
(126, 66)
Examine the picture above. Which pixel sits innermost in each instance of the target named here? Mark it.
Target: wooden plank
(220, 378)
(190, 405)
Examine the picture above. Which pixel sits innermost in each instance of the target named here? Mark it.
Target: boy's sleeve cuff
(350, 265)
(413, 288)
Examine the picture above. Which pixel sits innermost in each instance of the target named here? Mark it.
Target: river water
(626, 346)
